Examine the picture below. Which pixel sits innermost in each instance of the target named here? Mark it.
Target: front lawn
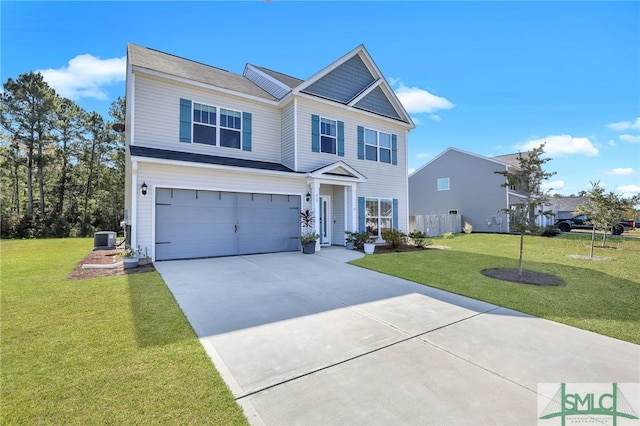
(113, 350)
(600, 296)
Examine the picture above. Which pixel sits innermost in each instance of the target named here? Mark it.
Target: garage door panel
(192, 223)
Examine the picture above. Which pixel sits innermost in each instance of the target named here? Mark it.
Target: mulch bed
(528, 277)
(105, 257)
(404, 248)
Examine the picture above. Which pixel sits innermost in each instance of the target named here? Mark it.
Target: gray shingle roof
(174, 65)
(165, 154)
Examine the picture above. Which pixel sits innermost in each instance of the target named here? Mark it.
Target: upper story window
(443, 184)
(210, 125)
(377, 146)
(328, 136)
(230, 128)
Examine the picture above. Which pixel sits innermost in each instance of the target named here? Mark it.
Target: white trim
(134, 202)
(189, 82)
(322, 173)
(178, 163)
(295, 134)
(365, 92)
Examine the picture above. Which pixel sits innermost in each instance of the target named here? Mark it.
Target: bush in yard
(447, 235)
(468, 228)
(394, 237)
(420, 239)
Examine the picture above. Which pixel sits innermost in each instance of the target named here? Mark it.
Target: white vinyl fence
(436, 224)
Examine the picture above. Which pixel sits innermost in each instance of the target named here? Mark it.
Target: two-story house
(219, 163)
(463, 183)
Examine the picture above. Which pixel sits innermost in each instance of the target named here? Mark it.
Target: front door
(325, 221)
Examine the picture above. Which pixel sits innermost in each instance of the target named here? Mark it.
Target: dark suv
(581, 221)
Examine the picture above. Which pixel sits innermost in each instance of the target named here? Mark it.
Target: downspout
(134, 202)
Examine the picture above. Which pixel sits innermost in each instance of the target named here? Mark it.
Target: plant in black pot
(309, 236)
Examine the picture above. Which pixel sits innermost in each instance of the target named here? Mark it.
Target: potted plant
(130, 258)
(351, 239)
(308, 237)
(369, 242)
(143, 259)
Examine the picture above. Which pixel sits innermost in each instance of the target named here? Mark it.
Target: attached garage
(193, 223)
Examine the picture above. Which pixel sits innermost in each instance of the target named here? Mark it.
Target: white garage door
(191, 224)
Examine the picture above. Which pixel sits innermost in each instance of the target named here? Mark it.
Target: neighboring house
(459, 182)
(222, 164)
(564, 207)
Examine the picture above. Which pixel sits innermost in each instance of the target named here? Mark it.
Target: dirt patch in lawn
(528, 277)
(594, 258)
(105, 258)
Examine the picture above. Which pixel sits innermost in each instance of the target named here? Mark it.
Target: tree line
(61, 167)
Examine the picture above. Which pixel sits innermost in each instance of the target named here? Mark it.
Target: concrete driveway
(309, 339)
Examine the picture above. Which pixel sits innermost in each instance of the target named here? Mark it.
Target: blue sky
(490, 78)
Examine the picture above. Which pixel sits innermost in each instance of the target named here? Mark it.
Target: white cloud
(621, 171)
(612, 143)
(423, 155)
(85, 75)
(420, 101)
(629, 190)
(625, 125)
(562, 146)
(630, 138)
(553, 186)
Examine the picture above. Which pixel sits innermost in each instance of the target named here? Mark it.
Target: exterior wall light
(144, 188)
(308, 197)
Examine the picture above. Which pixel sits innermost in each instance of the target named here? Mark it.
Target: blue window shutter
(315, 133)
(394, 149)
(185, 120)
(246, 131)
(340, 139)
(360, 143)
(395, 213)
(361, 214)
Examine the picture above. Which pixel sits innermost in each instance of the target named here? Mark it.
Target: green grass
(603, 297)
(112, 350)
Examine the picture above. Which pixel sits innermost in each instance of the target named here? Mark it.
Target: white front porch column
(315, 208)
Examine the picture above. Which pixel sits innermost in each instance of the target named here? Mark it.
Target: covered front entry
(193, 223)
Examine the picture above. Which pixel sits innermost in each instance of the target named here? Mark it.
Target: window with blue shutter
(315, 133)
(360, 143)
(185, 120)
(340, 139)
(361, 215)
(394, 151)
(246, 131)
(395, 213)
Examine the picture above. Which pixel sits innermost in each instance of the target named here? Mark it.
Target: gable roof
(492, 159)
(567, 204)
(154, 60)
(511, 159)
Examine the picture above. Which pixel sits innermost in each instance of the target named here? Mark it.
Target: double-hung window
(379, 215)
(204, 124)
(216, 126)
(328, 136)
(377, 145)
(230, 128)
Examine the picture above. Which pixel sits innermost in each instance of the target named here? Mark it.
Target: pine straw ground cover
(599, 296)
(109, 350)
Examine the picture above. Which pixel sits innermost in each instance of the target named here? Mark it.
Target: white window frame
(324, 135)
(378, 146)
(218, 126)
(444, 184)
(379, 217)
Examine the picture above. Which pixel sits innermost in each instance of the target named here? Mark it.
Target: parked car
(581, 221)
(629, 225)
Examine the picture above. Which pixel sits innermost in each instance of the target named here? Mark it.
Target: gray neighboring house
(564, 207)
(460, 182)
